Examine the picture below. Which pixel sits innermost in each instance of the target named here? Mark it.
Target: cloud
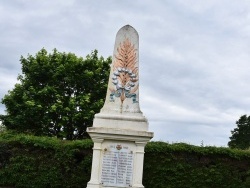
(194, 57)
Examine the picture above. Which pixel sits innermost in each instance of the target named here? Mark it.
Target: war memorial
(120, 131)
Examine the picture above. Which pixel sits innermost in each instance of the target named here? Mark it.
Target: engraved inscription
(117, 166)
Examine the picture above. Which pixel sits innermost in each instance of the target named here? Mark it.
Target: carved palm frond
(126, 55)
(125, 72)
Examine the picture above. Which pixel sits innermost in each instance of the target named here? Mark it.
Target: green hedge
(29, 161)
(185, 166)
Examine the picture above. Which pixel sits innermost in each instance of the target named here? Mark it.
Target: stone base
(100, 186)
(106, 138)
(135, 121)
(89, 185)
(119, 134)
(93, 185)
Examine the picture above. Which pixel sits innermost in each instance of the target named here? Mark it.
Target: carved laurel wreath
(125, 72)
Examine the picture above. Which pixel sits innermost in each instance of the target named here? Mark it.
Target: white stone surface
(120, 134)
(120, 131)
(121, 108)
(127, 41)
(105, 137)
(121, 121)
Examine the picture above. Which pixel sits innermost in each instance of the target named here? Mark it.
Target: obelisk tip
(128, 28)
(123, 87)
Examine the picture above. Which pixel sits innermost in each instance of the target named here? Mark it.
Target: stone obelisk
(120, 131)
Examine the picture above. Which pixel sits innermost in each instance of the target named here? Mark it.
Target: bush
(182, 165)
(30, 161)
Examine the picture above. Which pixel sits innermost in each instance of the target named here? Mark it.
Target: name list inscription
(117, 166)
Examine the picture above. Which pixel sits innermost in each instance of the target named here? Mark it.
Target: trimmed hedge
(183, 166)
(30, 161)
(39, 162)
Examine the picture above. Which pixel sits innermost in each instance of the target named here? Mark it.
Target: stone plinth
(108, 141)
(121, 121)
(120, 131)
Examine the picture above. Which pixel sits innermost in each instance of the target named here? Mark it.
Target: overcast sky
(194, 55)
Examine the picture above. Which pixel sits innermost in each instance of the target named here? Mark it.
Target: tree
(2, 128)
(241, 135)
(57, 94)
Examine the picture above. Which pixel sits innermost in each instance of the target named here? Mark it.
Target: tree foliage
(241, 135)
(57, 94)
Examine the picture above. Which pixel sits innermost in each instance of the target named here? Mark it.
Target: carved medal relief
(125, 73)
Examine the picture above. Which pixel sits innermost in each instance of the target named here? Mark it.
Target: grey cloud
(194, 57)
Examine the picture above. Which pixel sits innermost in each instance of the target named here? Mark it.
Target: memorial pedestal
(117, 157)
